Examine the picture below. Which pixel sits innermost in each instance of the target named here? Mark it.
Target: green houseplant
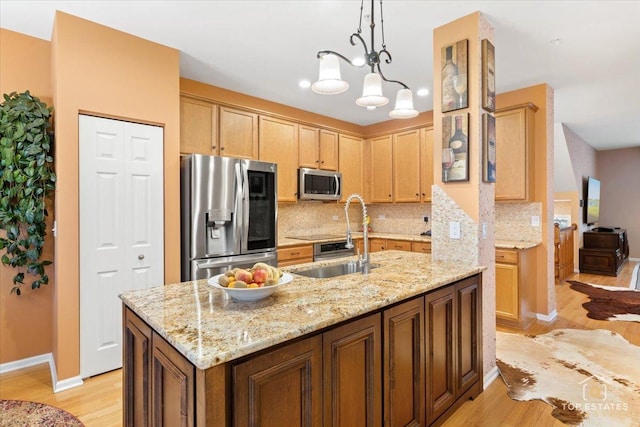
(26, 179)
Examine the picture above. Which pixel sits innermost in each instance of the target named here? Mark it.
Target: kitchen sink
(333, 270)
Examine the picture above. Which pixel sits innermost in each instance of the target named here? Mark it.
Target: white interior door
(121, 230)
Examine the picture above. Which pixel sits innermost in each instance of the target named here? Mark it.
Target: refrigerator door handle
(245, 205)
(241, 214)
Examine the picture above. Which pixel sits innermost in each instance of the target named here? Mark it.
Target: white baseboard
(38, 360)
(489, 377)
(547, 317)
(634, 259)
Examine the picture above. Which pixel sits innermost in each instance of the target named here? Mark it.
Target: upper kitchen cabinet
(318, 148)
(350, 157)
(515, 153)
(198, 126)
(406, 166)
(381, 183)
(279, 144)
(238, 133)
(426, 163)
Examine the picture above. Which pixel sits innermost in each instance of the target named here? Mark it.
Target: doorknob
(141, 256)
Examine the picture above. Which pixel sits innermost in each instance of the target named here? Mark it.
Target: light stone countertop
(208, 328)
(500, 244)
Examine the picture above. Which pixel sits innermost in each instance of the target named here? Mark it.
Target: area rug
(590, 377)
(14, 413)
(608, 302)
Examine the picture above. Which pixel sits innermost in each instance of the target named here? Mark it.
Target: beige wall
(619, 175)
(107, 73)
(25, 321)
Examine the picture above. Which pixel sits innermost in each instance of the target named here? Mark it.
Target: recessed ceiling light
(422, 92)
(304, 84)
(556, 41)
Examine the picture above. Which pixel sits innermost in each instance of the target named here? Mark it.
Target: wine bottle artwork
(453, 76)
(455, 130)
(488, 76)
(488, 148)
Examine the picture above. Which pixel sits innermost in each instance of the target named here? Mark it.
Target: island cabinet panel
(453, 319)
(280, 388)
(173, 386)
(404, 364)
(353, 374)
(136, 370)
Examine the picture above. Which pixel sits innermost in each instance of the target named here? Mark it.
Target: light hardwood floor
(99, 401)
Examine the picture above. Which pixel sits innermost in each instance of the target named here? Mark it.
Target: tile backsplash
(512, 220)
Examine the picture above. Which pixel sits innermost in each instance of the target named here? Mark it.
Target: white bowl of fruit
(251, 284)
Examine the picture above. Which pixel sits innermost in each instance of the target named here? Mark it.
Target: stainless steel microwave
(315, 184)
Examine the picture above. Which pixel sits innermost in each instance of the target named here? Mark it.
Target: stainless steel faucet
(364, 261)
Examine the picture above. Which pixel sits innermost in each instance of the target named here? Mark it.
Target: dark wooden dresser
(604, 252)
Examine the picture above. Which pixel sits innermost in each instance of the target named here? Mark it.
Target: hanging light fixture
(329, 80)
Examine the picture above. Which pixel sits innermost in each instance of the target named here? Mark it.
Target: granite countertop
(499, 244)
(208, 328)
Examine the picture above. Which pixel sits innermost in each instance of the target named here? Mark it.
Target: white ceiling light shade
(372, 92)
(329, 80)
(404, 105)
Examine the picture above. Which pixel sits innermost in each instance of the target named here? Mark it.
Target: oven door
(330, 250)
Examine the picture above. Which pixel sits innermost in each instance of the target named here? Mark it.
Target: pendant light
(329, 80)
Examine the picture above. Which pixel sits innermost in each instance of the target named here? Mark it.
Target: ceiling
(264, 48)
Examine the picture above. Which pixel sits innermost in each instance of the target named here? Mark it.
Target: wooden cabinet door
(381, 169)
(404, 364)
(136, 371)
(280, 388)
(328, 150)
(424, 247)
(377, 245)
(426, 165)
(292, 255)
(399, 245)
(279, 144)
(440, 370)
(350, 159)
(507, 298)
(406, 166)
(173, 386)
(514, 153)
(238, 133)
(198, 127)
(308, 143)
(352, 374)
(469, 334)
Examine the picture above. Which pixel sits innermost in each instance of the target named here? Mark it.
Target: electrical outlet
(335, 217)
(381, 217)
(425, 218)
(535, 221)
(454, 230)
(484, 230)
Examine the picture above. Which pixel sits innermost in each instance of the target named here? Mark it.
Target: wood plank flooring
(99, 401)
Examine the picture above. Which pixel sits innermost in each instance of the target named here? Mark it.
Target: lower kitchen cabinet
(515, 287)
(410, 364)
(352, 373)
(280, 388)
(453, 326)
(377, 244)
(424, 247)
(404, 364)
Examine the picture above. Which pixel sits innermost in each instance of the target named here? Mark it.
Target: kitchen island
(402, 343)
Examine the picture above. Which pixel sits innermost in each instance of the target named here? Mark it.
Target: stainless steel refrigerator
(229, 214)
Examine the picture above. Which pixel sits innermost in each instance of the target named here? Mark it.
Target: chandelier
(330, 83)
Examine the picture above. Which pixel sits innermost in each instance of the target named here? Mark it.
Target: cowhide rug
(590, 377)
(608, 302)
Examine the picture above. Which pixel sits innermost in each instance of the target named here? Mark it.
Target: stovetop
(316, 237)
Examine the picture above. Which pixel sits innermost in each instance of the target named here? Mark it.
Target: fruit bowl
(250, 294)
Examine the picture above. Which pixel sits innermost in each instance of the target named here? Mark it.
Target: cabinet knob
(141, 256)
(417, 194)
(221, 148)
(322, 162)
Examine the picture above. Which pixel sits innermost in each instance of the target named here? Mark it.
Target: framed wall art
(455, 148)
(488, 76)
(454, 76)
(488, 148)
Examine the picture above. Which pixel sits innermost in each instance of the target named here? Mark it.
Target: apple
(260, 275)
(244, 275)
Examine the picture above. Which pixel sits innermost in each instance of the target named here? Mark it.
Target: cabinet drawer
(424, 247)
(295, 255)
(399, 245)
(506, 256)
